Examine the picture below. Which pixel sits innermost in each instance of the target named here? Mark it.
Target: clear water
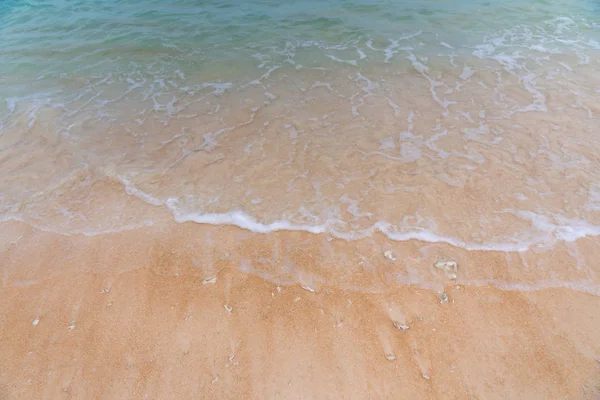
(77, 39)
(473, 123)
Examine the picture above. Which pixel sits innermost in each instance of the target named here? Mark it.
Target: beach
(318, 199)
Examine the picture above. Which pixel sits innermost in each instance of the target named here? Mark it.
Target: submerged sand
(142, 314)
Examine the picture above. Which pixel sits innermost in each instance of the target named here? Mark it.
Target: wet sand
(142, 314)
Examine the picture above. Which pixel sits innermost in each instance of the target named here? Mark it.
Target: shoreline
(79, 321)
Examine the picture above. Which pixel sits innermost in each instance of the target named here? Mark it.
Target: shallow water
(471, 124)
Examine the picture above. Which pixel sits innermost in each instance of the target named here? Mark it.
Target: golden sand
(139, 314)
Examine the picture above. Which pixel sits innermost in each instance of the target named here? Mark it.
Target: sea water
(474, 124)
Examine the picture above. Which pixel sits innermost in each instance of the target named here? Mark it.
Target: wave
(238, 218)
(545, 231)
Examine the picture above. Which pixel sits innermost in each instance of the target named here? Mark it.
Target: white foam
(394, 47)
(11, 103)
(423, 70)
(466, 73)
(549, 233)
(545, 230)
(394, 106)
(134, 191)
(539, 100)
(319, 84)
(264, 76)
(593, 203)
(334, 58)
(242, 220)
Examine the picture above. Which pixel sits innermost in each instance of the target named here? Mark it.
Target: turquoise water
(62, 39)
(48, 46)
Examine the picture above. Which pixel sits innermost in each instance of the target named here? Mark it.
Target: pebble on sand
(389, 255)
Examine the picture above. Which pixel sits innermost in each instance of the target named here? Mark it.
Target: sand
(139, 314)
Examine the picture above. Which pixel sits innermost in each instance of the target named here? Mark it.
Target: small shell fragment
(401, 326)
(443, 298)
(306, 287)
(450, 267)
(389, 255)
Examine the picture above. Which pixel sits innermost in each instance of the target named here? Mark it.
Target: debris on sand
(401, 326)
(450, 267)
(306, 287)
(211, 280)
(389, 255)
(35, 321)
(229, 309)
(443, 298)
(390, 357)
(447, 265)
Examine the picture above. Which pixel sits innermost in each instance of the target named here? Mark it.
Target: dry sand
(135, 314)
